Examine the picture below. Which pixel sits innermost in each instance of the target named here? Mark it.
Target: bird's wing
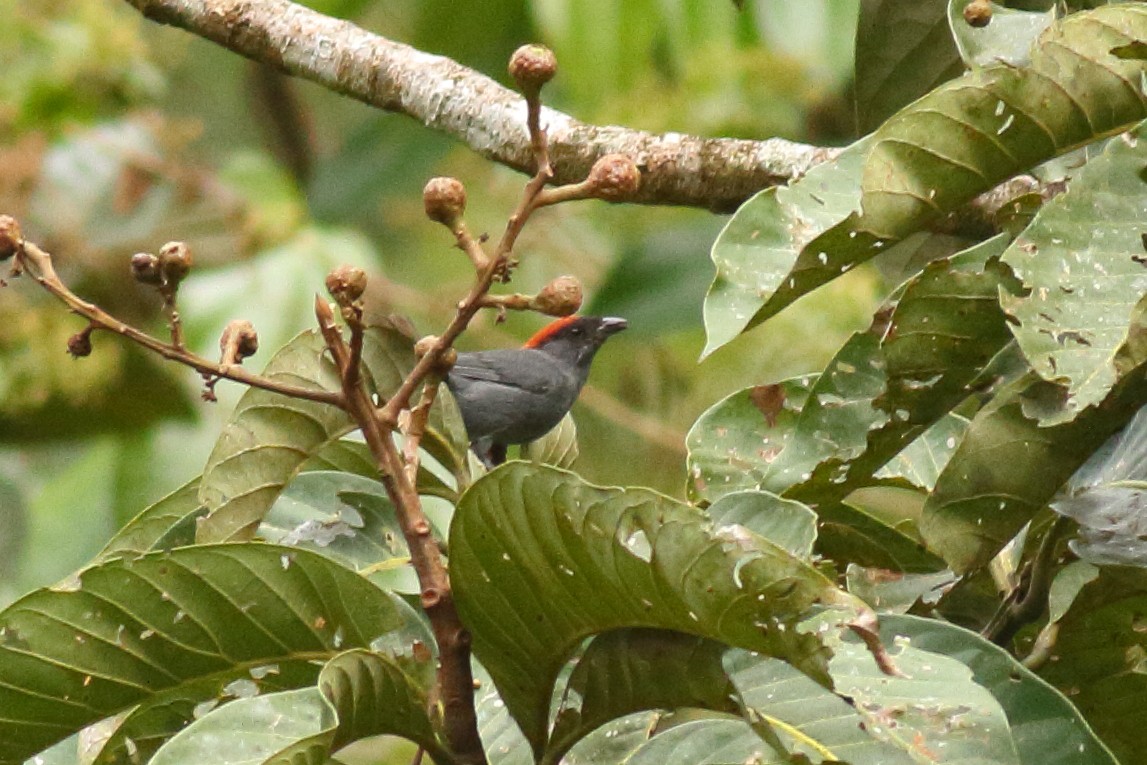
(525, 370)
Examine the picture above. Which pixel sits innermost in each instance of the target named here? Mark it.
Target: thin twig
(39, 264)
(454, 690)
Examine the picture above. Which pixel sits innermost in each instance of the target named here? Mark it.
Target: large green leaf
(968, 135)
(904, 48)
(733, 442)
(1008, 466)
(1084, 274)
(927, 160)
(347, 518)
(1045, 727)
(130, 631)
(540, 560)
(270, 436)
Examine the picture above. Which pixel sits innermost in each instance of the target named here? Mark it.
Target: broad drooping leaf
(187, 621)
(904, 48)
(359, 694)
(271, 436)
(1100, 659)
(1008, 466)
(927, 160)
(972, 133)
(1045, 727)
(755, 253)
(540, 560)
(1083, 267)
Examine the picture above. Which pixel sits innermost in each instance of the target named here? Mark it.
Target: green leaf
(1047, 728)
(373, 694)
(1007, 39)
(707, 742)
(883, 389)
(267, 440)
(786, 523)
(904, 49)
(168, 523)
(558, 447)
(968, 135)
(266, 728)
(808, 719)
(732, 443)
(896, 592)
(126, 632)
(270, 436)
(1009, 466)
(360, 694)
(1078, 319)
(1100, 660)
(540, 560)
(347, 518)
(756, 255)
(632, 670)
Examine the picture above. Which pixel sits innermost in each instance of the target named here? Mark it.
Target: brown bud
(445, 200)
(80, 344)
(346, 284)
(423, 346)
(445, 362)
(978, 13)
(11, 239)
(238, 341)
(532, 66)
(561, 297)
(614, 176)
(145, 269)
(174, 262)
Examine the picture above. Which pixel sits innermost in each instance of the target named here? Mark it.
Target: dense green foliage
(972, 444)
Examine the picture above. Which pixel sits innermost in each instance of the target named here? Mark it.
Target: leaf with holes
(969, 134)
(1008, 466)
(1084, 273)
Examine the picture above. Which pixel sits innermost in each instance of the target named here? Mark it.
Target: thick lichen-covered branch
(677, 169)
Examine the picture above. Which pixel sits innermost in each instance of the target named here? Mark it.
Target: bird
(517, 395)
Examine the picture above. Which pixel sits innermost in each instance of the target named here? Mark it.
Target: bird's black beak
(611, 325)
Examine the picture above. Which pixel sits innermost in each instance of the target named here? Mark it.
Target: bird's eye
(575, 330)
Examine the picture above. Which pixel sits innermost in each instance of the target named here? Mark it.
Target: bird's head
(575, 339)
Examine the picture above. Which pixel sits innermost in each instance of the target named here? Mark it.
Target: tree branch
(715, 173)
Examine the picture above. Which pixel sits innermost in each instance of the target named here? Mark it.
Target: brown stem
(416, 427)
(39, 265)
(1027, 601)
(455, 687)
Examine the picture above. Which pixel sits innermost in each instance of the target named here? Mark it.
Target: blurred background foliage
(117, 135)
